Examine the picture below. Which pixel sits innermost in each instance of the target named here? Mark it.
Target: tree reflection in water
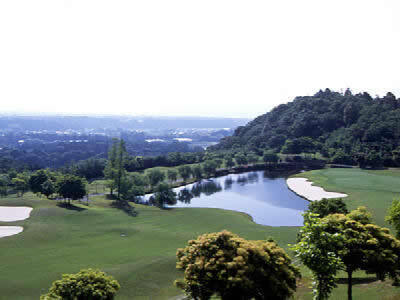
(203, 187)
(228, 183)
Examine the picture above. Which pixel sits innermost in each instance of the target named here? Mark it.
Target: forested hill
(346, 128)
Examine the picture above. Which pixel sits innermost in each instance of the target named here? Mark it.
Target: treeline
(345, 128)
(44, 182)
(38, 155)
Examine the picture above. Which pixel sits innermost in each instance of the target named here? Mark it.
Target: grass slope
(57, 240)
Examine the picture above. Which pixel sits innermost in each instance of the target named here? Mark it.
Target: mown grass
(58, 240)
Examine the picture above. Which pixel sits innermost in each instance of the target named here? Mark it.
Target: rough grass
(58, 240)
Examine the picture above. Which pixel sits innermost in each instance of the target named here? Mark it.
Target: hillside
(346, 128)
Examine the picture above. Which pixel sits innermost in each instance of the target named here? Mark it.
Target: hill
(346, 128)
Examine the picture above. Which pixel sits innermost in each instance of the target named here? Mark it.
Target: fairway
(56, 240)
(140, 251)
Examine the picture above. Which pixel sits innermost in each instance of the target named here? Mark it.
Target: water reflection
(209, 187)
(203, 187)
(263, 195)
(228, 183)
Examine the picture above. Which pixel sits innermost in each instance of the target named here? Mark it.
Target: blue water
(267, 200)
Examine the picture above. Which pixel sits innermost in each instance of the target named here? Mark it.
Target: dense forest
(345, 128)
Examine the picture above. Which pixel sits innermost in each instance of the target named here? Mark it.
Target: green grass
(374, 189)
(57, 240)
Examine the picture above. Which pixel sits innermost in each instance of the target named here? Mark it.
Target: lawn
(57, 240)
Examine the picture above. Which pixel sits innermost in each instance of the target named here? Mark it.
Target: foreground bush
(87, 284)
(234, 268)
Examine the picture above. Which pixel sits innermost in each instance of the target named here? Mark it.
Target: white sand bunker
(14, 213)
(9, 230)
(304, 188)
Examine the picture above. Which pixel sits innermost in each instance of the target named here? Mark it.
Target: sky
(198, 58)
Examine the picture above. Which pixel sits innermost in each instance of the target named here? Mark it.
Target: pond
(266, 199)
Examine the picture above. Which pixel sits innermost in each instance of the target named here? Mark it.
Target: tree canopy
(84, 285)
(349, 243)
(346, 128)
(231, 267)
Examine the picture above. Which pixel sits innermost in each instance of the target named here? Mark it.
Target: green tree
(393, 216)
(172, 175)
(21, 183)
(155, 177)
(229, 161)
(315, 248)
(185, 172)
(120, 166)
(110, 170)
(252, 158)
(164, 195)
(4, 183)
(241, 159)
(71, 187)
(37, 179)
(358, 244)
(48, 188)
(209, 167)
(270, 157)
(231, 267)
(325, 207)
(114, 170)
(87, 284)
(197, 171)
(139, 179)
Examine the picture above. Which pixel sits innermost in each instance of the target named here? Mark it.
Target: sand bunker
(304, 188)
(14, 213)
(9, 230)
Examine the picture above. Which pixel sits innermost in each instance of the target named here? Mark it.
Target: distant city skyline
(184, 58)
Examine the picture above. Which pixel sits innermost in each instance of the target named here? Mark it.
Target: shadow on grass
(124, 206)
(357, 280)
(71, 206)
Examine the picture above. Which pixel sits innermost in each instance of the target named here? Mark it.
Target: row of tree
(44, 182)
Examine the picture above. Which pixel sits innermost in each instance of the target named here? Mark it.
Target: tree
(209, 167)
(71, 187)
(164, 195)
(155, 176)
(110, 168)
(37, 179)
(48, 188)
(358, 245)
(185, 172)
(270, 157)
(234, 268)
(316, 251)
(241, 159)
(252, 158)
(87, 284)
(4, 182)
(21, 183)
(139, 180)
(172, 175)
(325, 207)
(120, 166)
(393, 216)
(197, 171)
(229, 161)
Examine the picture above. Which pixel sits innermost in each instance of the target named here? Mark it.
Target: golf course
(140, 251)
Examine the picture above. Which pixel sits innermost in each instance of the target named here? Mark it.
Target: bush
(87, 284)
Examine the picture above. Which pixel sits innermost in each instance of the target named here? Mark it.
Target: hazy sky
(210, 58)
